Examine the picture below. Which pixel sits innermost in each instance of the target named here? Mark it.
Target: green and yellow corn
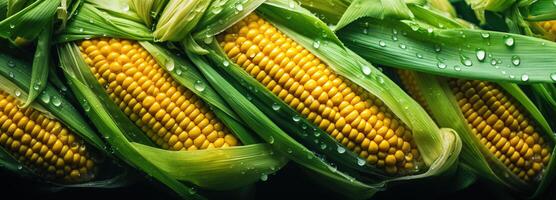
(499, 122)
(170, 114)
(42, 144)
(355, 118)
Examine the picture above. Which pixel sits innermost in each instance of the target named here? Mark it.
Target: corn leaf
(41, 63)
(178, 18)
(327, 11)
(147, 9)
(380, 9)
(107, 19)
(462, 53)
(24, 23)
(215, 168)
(541, 10)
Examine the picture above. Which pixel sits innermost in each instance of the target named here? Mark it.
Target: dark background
(290, 182)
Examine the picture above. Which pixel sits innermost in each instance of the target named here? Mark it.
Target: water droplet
(437, 48)
(394, 31)
(275, 106)
(226, 63)
(380, 79)
(296, 118)
(316, 44)
(81, 30)
(381, 43)
(170, 65)
(86, 106)
(485, 35)
(553, 76)
(12, 26)
(419, 55)
(289, 151)
(365, 31)
(481, 54)
(441, 65)
(178, 72)
(493, 62)
(465, 60)
(17, 93)
(366, 70)
(360, 162)
(264, 177)
(509, 41)
(524, 77)
(239, 7)
(271, 140)
(199, 86)
(45, 97)
(11, 63)
(19, 167)
(323, 146)
(341, 149)
(516, 60)
(430, 30)
(37, 85)
(11, 74)
(394, 37)
(317, 133)
(403, 46)
(457, 68)
(56, 101)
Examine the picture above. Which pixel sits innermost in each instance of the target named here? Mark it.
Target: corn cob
(356, 119)
(44, 145)
(499, 122)
(170, 114)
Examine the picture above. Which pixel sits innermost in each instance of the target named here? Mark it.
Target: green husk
(22, 23)
(178, 19)
(15, 78)
(451, 52)
(292, 135)
(147, 9)
(436, 92)
(130, 144)
(103, 18)
(41, 63)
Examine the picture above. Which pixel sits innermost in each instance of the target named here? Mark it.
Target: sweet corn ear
(170, 114)
(356, 119)
(42, 144)
(499, 122)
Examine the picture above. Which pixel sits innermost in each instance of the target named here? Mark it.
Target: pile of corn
(213, 95)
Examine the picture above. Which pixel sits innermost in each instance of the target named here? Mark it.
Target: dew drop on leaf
(441, 65)
(553, 76)
(366, 70)
(381, 43)
(509, 41)
(516, 60)
(199, 86)
(481, 54)
(524, 77)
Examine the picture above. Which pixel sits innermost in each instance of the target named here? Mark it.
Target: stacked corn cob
(242, 73)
